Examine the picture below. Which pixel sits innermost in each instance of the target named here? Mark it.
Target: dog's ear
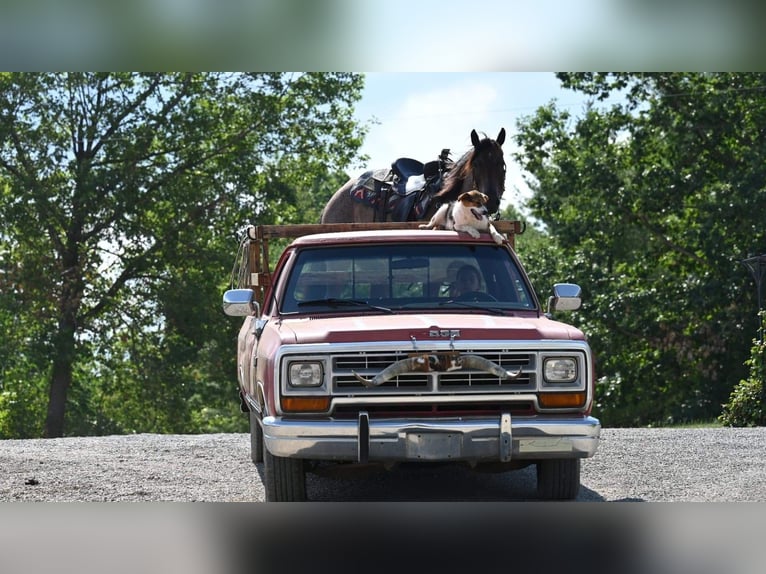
(484, 197)
(463, 195)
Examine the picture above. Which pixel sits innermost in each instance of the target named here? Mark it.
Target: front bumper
(442, 439)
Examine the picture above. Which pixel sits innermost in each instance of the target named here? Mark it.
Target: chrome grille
(409, 382)
(453, 382)
(484, 381)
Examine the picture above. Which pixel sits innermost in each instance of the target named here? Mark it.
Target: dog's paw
(498, 237)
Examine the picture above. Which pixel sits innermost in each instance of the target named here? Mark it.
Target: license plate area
(434, 445)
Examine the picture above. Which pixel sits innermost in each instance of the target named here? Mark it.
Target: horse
(482, 167)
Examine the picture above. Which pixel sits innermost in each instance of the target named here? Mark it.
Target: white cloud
(427, 121)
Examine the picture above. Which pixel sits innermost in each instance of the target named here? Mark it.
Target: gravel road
(692, 465)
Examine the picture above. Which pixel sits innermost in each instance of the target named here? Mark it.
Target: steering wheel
(475, 296)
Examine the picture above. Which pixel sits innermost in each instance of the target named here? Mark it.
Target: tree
(114, 186)
(539, 253)
(747, 403)
(653, 200)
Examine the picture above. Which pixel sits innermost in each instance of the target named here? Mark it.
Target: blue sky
(418, 114)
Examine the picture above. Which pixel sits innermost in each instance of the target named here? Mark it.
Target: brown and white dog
(468, 213)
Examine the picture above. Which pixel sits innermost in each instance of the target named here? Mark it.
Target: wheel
(558, 479)
(256, 438)
(284, 478)
(475, 296)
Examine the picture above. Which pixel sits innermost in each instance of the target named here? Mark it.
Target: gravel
(690, 465)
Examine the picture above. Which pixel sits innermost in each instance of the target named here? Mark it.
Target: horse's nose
(493, 204)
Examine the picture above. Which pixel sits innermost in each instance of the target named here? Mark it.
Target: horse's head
(487, 167)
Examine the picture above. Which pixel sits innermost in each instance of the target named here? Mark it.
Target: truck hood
(423, 327)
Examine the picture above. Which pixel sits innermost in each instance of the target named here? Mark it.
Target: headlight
(305, 374)
(560, 370)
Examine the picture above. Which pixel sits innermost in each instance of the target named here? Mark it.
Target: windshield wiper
(335, 302)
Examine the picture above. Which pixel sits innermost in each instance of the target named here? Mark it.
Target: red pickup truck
(383, 343)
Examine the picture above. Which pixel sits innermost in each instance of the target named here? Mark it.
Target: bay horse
(482, 167)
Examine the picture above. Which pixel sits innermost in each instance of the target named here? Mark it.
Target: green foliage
(22, 395)
(747, 403)
(651, 202)
(22, 407)
(23, 367)
(122, 196)
(540, 255)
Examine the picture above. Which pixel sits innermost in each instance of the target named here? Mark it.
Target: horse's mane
(453, 182)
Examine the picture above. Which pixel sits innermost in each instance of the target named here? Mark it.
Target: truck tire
(256, 438)
(558, 479)
(284, 478)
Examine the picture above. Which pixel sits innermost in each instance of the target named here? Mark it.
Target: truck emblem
(451, 333)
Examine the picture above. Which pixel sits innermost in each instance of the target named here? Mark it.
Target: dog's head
(476, 201)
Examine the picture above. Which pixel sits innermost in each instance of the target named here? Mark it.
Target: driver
(467, 279)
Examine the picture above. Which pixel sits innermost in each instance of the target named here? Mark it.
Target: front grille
(472, 381)
(409, 382)
(476, 381)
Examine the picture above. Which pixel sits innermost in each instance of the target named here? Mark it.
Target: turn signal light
(305, 404)
(561, 400)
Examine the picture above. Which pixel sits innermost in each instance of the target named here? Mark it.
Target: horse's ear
(474, 138)
(501, 137)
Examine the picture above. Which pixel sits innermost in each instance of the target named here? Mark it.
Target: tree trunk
(61, 378)
(64, 343)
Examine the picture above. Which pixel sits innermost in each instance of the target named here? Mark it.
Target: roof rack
(252, 266)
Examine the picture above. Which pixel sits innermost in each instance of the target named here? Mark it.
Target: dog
(468, 213)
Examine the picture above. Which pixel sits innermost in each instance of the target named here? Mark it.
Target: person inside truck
(467, 279)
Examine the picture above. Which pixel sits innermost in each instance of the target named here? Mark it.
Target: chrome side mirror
(240, 303)
(566, 297)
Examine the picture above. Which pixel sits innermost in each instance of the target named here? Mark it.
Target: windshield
(390, 277)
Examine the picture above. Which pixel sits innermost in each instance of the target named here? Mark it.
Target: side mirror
(240, 303)
(566, 297)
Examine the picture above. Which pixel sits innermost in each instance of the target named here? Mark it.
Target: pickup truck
(360, 348)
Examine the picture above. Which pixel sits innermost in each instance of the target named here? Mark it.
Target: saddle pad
(366, 188)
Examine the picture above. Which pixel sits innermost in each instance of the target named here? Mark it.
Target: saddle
(405, 191)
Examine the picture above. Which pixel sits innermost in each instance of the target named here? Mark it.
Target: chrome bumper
(473, 439)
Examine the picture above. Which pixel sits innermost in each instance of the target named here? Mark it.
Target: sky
(370, 35)
(417, 114)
